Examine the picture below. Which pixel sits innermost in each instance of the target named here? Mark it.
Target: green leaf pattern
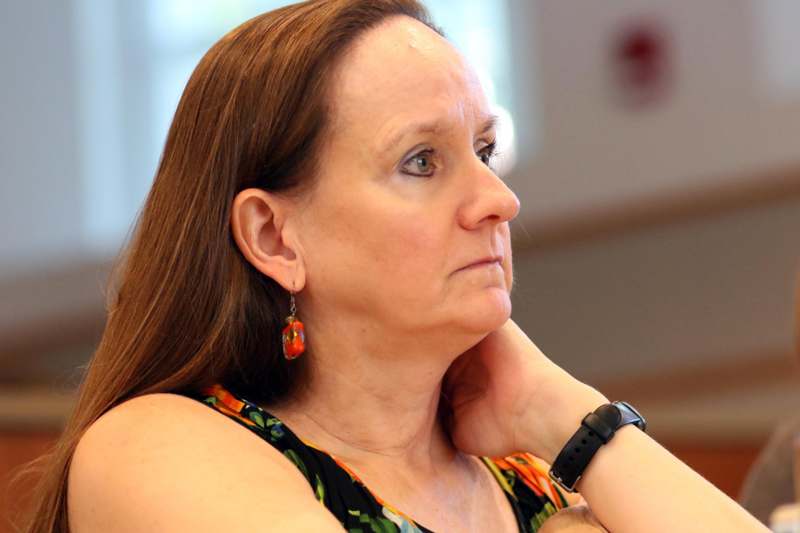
(256, 417)
(381, 519)
(293, 457)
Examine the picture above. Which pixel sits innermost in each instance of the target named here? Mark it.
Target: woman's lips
(483, 263)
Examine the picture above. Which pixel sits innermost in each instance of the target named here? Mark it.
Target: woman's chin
(487, 312)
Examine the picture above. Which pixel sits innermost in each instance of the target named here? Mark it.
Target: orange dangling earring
(294, 334)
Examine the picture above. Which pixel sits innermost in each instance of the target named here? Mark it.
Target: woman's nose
(490, 199)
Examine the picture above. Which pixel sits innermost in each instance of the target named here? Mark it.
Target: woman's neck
(373, 409)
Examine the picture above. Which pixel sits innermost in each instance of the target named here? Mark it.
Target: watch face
(632, 415)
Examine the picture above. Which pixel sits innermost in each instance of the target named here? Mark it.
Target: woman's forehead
(403, 71)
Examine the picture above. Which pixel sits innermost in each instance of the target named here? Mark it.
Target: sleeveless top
(522, 476)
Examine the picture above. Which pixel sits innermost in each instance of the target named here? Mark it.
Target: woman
(334, 157)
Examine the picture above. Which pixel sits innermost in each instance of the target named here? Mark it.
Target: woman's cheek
(412, 234)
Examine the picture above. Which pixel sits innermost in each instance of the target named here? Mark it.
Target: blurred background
(654, 145)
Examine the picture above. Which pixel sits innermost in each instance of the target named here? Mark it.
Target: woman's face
(405, 199)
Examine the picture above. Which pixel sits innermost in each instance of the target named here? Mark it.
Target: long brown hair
(185, 309)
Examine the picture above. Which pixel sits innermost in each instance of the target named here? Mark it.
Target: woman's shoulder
(162, 423)
(166, 461)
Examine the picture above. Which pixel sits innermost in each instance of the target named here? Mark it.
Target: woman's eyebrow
(434, 126)
(489, 123)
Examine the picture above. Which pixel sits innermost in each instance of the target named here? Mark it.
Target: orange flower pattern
(522, 476)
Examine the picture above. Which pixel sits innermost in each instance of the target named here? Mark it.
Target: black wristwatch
(596, 429)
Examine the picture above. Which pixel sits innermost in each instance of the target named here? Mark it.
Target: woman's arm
(506, 396)
(633, 484)
(162, 462)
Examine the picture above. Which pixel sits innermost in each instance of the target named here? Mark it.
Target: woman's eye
(487, 154)
(420, 164)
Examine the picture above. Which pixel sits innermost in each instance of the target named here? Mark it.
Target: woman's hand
(504, 396)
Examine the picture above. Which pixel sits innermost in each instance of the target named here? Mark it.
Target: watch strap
(574, 457)
(596, 429)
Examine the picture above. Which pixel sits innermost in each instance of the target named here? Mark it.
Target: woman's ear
(258, 223)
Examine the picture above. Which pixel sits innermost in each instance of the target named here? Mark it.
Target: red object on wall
(641, 57)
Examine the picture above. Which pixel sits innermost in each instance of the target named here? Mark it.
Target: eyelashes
(423, 163)
(488, 153)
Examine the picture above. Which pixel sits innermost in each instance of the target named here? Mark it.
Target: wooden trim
(49, 312)
(48, 334)
(752, 191)
(24, 409)
(708, 379)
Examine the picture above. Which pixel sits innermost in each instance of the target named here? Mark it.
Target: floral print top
(522, 476)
